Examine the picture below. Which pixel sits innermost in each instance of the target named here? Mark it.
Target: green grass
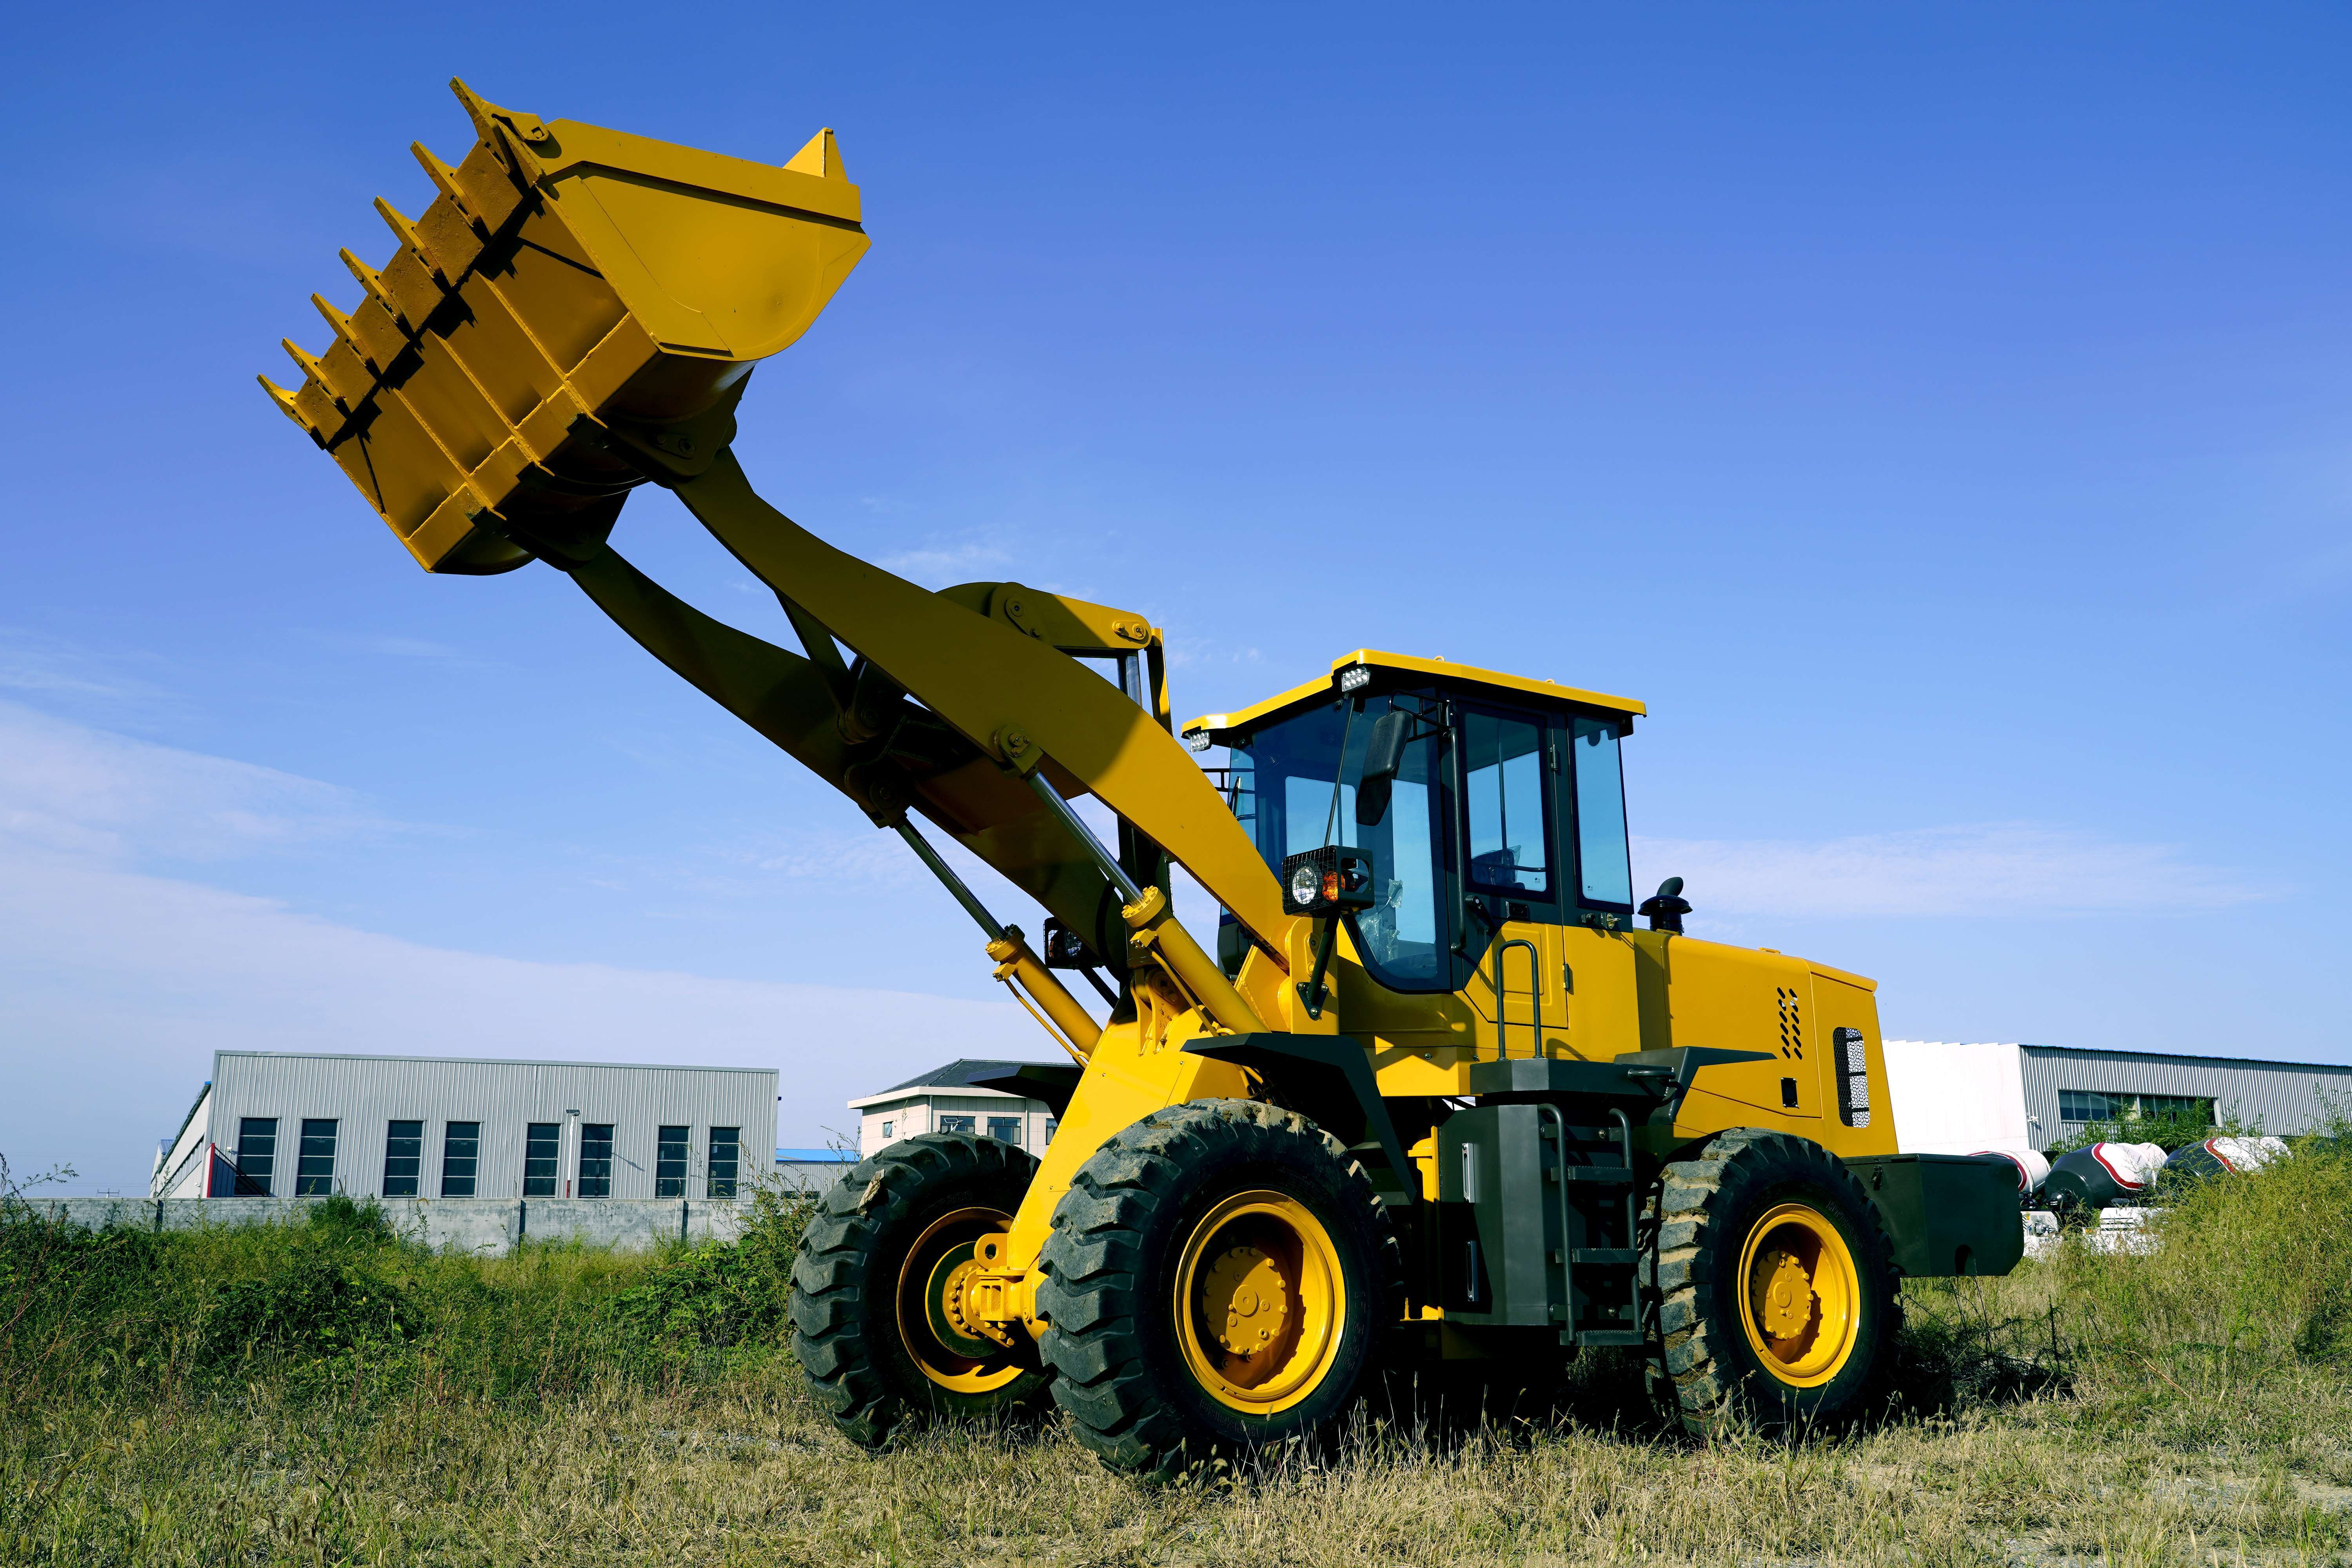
(327, 1393)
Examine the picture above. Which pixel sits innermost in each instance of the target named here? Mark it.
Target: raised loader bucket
(567, 284)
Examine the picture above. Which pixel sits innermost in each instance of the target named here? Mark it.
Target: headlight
(1327, 881)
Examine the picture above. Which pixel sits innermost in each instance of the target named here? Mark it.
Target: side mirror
(1384, 755)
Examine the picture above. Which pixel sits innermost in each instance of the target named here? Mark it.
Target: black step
(1604, 1256)
(1604, 1174)
(1610, 1337)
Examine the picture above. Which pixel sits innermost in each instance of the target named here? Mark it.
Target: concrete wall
(488, 1227)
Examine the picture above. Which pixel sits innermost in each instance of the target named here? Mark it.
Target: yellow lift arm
(576, 313)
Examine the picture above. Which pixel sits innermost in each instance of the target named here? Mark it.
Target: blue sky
(1941, 417)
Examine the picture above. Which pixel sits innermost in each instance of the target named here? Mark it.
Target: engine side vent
(1852, 1056)
(1792, 1023)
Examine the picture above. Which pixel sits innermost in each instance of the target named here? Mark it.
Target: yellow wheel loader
(1433, 1093)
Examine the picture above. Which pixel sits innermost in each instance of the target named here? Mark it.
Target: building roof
(2200, 1057)
(1328, 686)
(482, 1061)
(956, 1076)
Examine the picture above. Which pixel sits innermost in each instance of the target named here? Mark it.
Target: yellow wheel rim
(947, 1350)
(1800, 1296)
(1260, 1302)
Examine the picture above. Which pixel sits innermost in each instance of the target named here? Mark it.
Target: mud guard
(1327, 1078)
(1948, 1214)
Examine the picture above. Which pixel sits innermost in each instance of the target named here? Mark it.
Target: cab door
(1508, 961)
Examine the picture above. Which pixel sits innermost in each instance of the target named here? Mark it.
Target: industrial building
(813, 1169)
(954, 1099)
(1957, 1099)
(273, 1124)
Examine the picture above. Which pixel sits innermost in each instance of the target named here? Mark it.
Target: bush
(2251, 1271)
(323, 1300)
(340, 1303)
(719, 1296)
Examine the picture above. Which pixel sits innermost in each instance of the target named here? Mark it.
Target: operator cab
(1479, 797)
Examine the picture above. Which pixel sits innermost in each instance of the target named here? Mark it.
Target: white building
(292, 1125)
(1954, 1098)
(945, 1099)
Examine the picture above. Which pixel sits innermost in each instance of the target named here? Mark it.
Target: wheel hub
(937, 1328)
(1247, 1300)
(1788, 1295)
(1803, 1295)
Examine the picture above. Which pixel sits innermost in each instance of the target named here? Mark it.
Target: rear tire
(1774, 1288)
(1220, 1277)
(868, 1341)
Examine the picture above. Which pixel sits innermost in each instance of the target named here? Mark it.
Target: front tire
(1775, 1287)
(881, 1350)
(1219, 1278)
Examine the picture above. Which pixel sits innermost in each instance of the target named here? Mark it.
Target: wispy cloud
(130, 980)
(67, 787)
(1196, 653)
(1996, 869)
(51, 667)
(941, 562)
(120, 982)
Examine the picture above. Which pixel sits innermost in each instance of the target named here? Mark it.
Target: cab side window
(1503, 788)
(1608, 870)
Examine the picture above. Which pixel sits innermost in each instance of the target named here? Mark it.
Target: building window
(461, 1149)
(256, 1155)
(403, 1157)
(2078, 1105)
(669, 1163)
(2082, 1105)
(955, 1124)
(541, 1145)
(1053, 1125)
(314, 1164)
(889, 1129)
(596, 1159)
(726, 1151)
(1006, 1130)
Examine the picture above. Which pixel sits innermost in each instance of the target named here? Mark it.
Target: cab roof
(1404, 663)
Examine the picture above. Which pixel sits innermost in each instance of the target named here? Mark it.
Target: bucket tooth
(444, 180)
(406, 233)
(477, 109)
(288, 407)
(313, 369)
(372, 282)
(508, 133)
(345, 331)
(820, 156)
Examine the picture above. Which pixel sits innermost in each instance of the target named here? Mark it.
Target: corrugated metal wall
(364, 1094)
(2282, 1097)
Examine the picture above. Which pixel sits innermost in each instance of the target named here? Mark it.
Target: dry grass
(743, 1469)
(2167, 1411)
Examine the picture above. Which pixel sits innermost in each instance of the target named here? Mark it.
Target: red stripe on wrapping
(2098, 1153)
(2024, 1176)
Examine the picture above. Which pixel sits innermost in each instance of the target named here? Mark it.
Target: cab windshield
(1294, 785)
